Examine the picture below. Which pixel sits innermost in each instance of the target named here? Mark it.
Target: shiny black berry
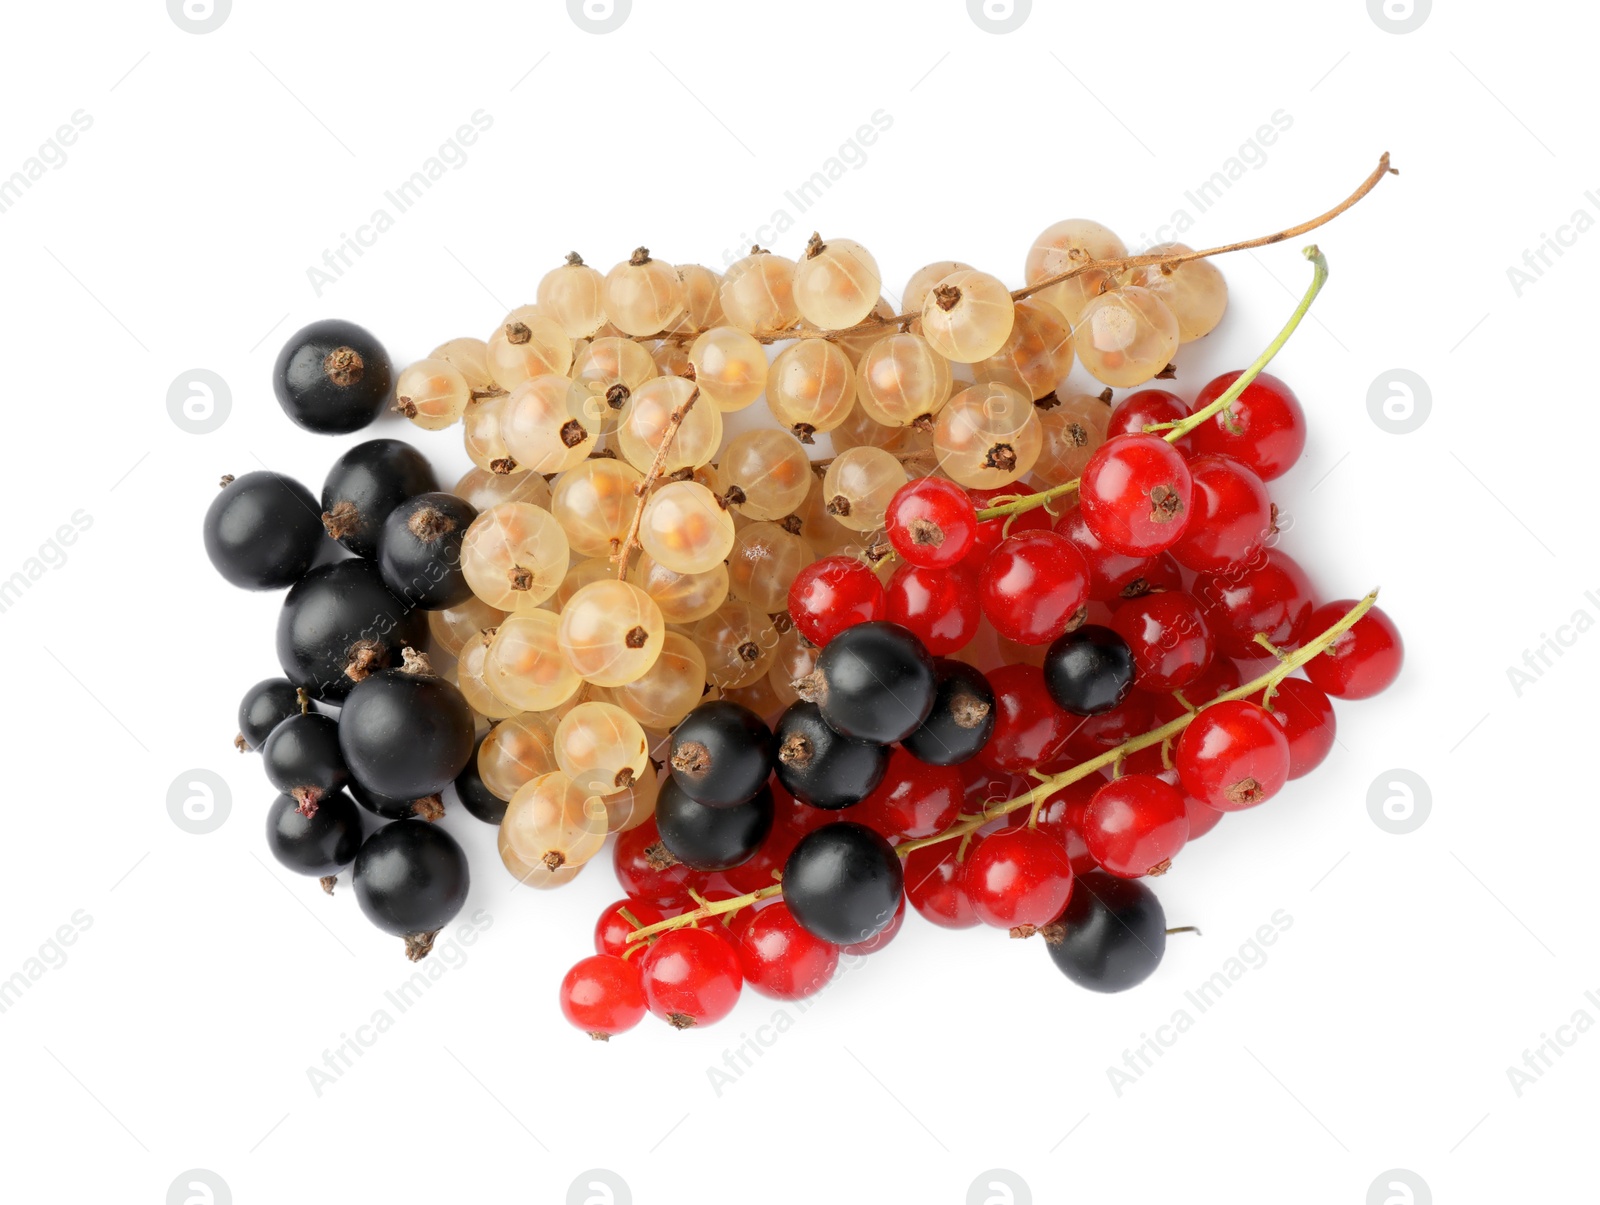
(721, 753)
(818, 766)
(368, 482)
(419, 552)
(264, 706)
(843, 882)
(318, 844)
(429, 807)
(874, 681)
(712, 838)
(477, 798)
(406, 733)
(302, 758)
(1112, 934)
(332, 377)
(263, 530)
(411, 879)
(1089, 671)
(340, 623)
(961, 720)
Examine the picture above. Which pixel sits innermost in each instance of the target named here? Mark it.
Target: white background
(177, 235)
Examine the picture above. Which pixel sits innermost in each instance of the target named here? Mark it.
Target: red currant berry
(1135, 494)
(913, 800)
(1201, 818)
(1061, 818)
(603, 995)
(1360, 662)
(940, 605)
(647, 870)
(931, 522)
(981, 786)
(1271, 597)
(691, 977)
(780, 959)
(759, 869)
(833, 594)
(936, 886)
(1264, 427)
(883, 936)
(1018, 878)
(1139, 410)
(1169, 638)
(992, 531)
(1307, 719)
(1233, 515)
(612, 929)
(1034, 587)
(1114, 576)
(1028, 726)
(1094, 734)
(1233, 756)
(1135, 825)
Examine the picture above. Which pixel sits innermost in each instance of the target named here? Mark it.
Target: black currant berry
(332, 377)
(477, 798)
(302, 759)
(843, 882)
(419, 552)
(411, 879)
(961, 720)
(818, 766)
(429, 807)
(1089, 671)
(320, 844)
(703, 837)
(368, 482)
(1112, 934)
(264, 706)
(874, 681)
(262, 531)
(406, 733)
(721, 754)
(339, 623)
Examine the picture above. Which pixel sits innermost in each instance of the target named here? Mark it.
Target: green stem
(1175, 431)
(705, 911)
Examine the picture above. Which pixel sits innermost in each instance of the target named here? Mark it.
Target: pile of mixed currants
(1002, 654)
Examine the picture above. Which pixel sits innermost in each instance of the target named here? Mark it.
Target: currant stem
(1054, 782)
(1172, 432)
(705, 911)
(631, 540)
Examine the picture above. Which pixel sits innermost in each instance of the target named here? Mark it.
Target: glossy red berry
(1233, 756)
(612, 929)
(936, 886)
(832, 594)
(1307, 719)
(647, 870)
(991, 531)
(1361, 661)
(1115, 576)
(1135, 494)
(603, 995)
(1232, 515)
(780, 959)
(1135, 825)
(1264, 427)
(1270, 596)
(931, 522)
(914, 799)
(691, 977)
(1018, 877)
(1029, 728)
(939, 605)
(1169, 638)
(1034, 587)
(1061, 818)
(1094, 734)
(1139, 410)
